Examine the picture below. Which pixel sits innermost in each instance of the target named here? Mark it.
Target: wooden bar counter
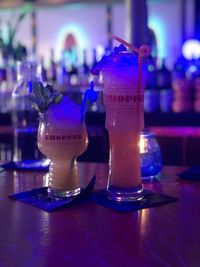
(91, 235)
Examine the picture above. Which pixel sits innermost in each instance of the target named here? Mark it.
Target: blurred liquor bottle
(52, 73)
(63, 78)
(10, 82)
(197, 93)
(151, 94)
(94, 58)
(83, 70)
(73, 75)
(164, 87)
(2, 82)
(182, 93)
(44, 76)
(97, 79)
(194, 74)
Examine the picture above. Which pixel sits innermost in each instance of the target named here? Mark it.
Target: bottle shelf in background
(151, 119)
(177, 134)
(172, 119)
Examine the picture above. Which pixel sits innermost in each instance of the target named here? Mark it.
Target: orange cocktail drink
(62, 136)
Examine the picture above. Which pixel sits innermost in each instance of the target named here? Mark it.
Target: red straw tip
(144, 51)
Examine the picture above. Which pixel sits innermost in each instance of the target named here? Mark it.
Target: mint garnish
(42, 96)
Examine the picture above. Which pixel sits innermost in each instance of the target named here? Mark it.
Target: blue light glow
(192, 69)
(160, 31)
(191, 49)
(89, 94)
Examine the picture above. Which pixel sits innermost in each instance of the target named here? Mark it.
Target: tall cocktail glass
(62, 136)
(124, 121)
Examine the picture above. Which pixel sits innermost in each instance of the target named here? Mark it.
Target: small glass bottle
(150, 155)
(24, 118)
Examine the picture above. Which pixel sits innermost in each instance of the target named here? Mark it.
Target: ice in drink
(124, 103)
(62, 136)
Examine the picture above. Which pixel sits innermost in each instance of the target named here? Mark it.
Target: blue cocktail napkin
(192, 173)
(27, 165)
(150, 199)
(39, 198)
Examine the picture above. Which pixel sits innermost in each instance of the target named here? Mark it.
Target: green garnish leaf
(36, 107)
(49, 92)
(43, 96)
(38, 91)
(57, 98)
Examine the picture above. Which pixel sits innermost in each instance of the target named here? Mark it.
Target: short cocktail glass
(62, 136)
(124, 103)
(150, 153)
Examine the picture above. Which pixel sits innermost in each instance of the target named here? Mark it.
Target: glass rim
(124, 69)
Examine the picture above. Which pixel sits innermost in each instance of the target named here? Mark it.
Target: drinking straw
(89, 94)
(143, 51)
(135, 49)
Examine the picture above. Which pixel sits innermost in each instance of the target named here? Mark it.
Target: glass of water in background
(24, 118)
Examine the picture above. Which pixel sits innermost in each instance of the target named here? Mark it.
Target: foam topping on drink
(119, 58)
(66, 112)
(58, 108)
(48, 101)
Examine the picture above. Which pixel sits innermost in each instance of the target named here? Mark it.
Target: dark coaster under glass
(150, 199)
(41, 199)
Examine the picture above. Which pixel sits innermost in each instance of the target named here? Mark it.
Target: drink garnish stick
(89, 94)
